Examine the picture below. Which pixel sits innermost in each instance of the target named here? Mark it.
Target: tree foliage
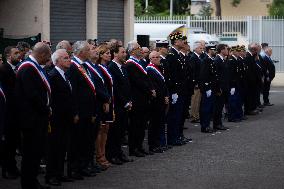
(161, 7)
(277, 8)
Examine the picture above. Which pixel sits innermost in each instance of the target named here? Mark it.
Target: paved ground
(248, 156)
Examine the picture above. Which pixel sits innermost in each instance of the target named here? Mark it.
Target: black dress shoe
(157, 150)
(244, 118)
(40, 186)
(77, 176)
(195, 121)
(53, 182)
(87, 173)
(9, 175)
(116, 161)
(253, 112)
(267, 104)
(234, 120)
(65, 179)
(125, 159)
(136, 153)
(221, 128)
(145, 152)
(206, 130)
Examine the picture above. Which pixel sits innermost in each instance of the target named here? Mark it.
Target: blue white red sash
(106, 72)
(133, 61)
(85, 75)
(29, 63)
(156, 70)
(2, 94)
(95, 71)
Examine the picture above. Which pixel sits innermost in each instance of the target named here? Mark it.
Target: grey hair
(78, 46)
(56, 55)
(63, 45)
(252, 46)
(196, 45)
(131, 45)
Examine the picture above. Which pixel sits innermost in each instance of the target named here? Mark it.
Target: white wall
(22, 18)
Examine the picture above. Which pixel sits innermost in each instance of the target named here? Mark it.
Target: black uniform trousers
(58, 146)
(218, 109)
(34, 138)
(138, 123)
(81, 144)
(156, 124)
(116, 134)
(266, 89)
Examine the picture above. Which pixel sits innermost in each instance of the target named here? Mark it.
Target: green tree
(277, 8)
(205, 10)
(161, 7)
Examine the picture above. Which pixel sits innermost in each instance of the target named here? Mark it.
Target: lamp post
(146, 5)
(171, 8)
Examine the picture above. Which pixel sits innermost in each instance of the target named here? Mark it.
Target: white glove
(232, 91)
(208, 93)
(174, 98)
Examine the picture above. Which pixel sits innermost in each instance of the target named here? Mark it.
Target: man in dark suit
(176, 78)
(269, 74)
(2, 119)
(122, 105)
(235, 112)
(195, 61)
(61, 119)
(252, 80)
(141, 91)
(11, 131)
(222, 69)
(208, 88)
(33, 104)
(158, 104)
(84, 108)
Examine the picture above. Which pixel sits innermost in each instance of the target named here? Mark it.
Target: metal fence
(246, 29)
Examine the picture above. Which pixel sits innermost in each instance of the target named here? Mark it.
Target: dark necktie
(67, 80)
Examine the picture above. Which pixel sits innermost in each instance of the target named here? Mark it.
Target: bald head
(253, 48)
(155, 57)
(42, 53)
(64, 45)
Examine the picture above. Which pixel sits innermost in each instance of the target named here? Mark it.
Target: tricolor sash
(156, 70)
(106, 72)
(133, 61)
(85, 75)
(95, 71)
(2, 94)
(30, 63)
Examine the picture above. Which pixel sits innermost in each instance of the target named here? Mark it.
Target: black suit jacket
(159, 86)
(8, 81)
(268, 68)
(195, 64)
(32, 97)
(177, 71)
(208, 76)
(222, 68)
(61, 99)
(84, 100)
(234, 74)
(140, 86)
(2, 114)
(121, 86)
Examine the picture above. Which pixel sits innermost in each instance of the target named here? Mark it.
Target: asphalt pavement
(250, 155)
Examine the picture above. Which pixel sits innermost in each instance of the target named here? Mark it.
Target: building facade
(70, 20)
